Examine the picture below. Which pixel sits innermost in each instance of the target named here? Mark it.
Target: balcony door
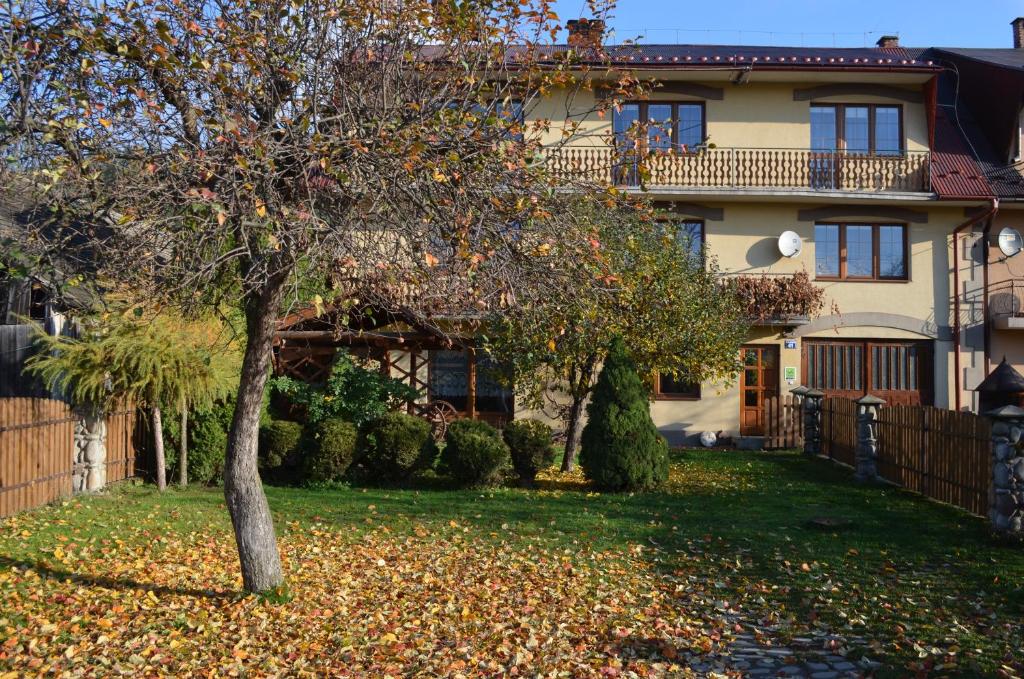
(759, 380)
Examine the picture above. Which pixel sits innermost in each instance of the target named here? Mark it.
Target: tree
(651, 286)
(161, 362)
(622, 449)
(198, 151)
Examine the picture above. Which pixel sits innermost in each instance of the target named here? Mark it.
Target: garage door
(900, 372)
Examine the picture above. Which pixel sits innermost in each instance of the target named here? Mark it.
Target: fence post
(89, 469)
(812, 421)
(866, 457)
(1006, 490)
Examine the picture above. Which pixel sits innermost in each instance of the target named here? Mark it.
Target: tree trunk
(243, 490)
(580, 386)
(572, 433)
(183, 450)
(158, 447)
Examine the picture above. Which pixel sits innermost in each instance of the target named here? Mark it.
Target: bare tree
(197, 151)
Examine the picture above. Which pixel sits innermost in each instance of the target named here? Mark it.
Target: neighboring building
(863, 153)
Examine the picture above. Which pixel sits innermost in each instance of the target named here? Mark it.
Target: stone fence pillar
(1006, 491)
(866, 456)
(89, 472)
(812, 419)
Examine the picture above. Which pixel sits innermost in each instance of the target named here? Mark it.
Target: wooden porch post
(471, 386)
(412, 378)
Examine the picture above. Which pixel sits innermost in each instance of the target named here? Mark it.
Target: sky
(823, 23)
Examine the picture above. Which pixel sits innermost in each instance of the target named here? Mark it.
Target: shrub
(396, 445)
(621, 448)
(351, 392)
(333, 452)
(474, 454)
(209, 442)
(531, 446)
(279, 443)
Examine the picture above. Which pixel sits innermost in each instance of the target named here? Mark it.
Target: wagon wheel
(440, 414)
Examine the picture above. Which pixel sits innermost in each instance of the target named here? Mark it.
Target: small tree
(621, 447)
(650, 285)
(162, 361)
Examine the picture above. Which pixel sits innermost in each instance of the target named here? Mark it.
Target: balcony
(745, 169)
(1006, 304)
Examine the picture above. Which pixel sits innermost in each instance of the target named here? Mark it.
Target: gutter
(988, 214)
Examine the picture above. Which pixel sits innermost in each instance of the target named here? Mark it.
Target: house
(859, 152)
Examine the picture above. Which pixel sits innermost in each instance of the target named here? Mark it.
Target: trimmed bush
(279, 443)
(333, 451)
(621, 448)
(209, 443)
(530, 443)
(394, 446)
(474, 454)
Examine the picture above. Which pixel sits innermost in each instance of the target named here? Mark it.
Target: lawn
(436, 582)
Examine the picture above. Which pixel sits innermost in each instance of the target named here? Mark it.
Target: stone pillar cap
(1006, 412)
(799, 391)
(814, 393)
(872, 400)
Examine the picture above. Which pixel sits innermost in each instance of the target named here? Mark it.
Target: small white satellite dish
(790, 244)
(1010, 242)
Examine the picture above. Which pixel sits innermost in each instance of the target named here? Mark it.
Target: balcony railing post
(732, 167)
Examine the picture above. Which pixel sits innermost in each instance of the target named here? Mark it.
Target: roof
(955, 173)
(1003, 380)
(1005, 57)
(762, 57)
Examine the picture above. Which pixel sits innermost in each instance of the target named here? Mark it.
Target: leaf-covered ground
(431, 582)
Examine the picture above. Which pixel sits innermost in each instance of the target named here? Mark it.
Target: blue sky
(844, 23)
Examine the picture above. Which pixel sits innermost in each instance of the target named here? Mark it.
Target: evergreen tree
(621, 447)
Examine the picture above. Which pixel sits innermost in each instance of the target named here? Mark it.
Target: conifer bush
(621, 447)
(474, 454)
(530, 443)
(333, 451)
(394, 446)
(279, 443)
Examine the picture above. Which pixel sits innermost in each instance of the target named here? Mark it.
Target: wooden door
(759, 380)
(897, 371)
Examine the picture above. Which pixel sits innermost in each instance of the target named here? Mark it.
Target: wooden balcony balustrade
(745, 168)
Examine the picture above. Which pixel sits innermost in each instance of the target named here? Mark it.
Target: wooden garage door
(900, 372)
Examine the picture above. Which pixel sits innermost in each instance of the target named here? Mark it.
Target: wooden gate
(783, 422)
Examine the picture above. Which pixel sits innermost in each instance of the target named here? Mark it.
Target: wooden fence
(37, 450)
(943, 454)
(839, 429)
(783, 422)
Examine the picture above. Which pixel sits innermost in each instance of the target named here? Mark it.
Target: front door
(759, 380)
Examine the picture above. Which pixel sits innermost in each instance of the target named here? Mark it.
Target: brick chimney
(888, 41)
(1018, 32)
(585, 32)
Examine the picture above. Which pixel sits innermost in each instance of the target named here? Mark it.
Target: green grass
(924, 585)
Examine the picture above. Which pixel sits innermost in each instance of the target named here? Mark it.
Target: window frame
(643, 118)
(660, 395)
(872, 109)
(875, 276)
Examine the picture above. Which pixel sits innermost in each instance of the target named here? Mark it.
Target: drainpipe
(988, 214)
(985, 235)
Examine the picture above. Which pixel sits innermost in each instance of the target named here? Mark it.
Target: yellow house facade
(848, 149)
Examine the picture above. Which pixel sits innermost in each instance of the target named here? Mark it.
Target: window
(667, 388)
(899, 371)
(857, 129)
(449, 374)
(691, 235)
(665, 126)
(860, 251)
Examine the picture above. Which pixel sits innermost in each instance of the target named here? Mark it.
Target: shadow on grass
(51, 573)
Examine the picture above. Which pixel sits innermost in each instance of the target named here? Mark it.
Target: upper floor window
(691, 235)
(857, 128)
(663, 126)
(860, 251)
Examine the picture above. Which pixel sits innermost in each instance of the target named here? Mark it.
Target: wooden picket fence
(942, 454)
(37, 450)
(839, 429)
(783, 422)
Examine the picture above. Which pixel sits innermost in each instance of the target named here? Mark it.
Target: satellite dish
(1010, 242)
(790, 244)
